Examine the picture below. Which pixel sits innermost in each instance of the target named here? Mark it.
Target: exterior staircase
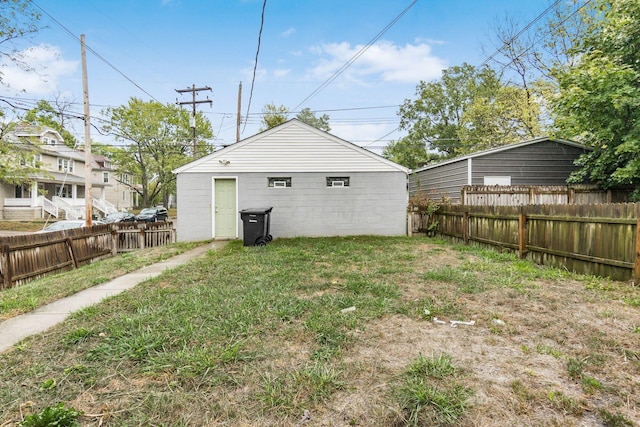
(104, 206)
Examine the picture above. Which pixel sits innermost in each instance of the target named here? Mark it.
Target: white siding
(292, 147)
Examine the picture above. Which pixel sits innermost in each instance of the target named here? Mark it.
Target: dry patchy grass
(258, 336)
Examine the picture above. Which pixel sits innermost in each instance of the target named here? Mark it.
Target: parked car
(119, 217)
(67, 224)
(157, 213)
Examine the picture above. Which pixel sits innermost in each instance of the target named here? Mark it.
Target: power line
(515, 37)
(113, 67)
(34, 101)
(355, 57)
(553, 29)
(380, 139)
(255, 64)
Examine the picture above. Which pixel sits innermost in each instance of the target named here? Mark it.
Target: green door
(225, 209)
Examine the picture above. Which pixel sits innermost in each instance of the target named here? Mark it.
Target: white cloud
(281, 72)
(46, 69)
(430, 41)
(261, 73)
(383, 60)
(288, 32)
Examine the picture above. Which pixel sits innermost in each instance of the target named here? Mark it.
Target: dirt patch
(517, 364)
(269, 342)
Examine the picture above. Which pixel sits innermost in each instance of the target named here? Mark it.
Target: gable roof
(504, 148)
(29, 130)
(293, 146)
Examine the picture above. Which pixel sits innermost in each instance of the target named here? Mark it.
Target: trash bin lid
(256, 211)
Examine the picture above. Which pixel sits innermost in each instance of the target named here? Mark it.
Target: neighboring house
(58, 188)
(317, 184)
(541, 161)
(119, 188)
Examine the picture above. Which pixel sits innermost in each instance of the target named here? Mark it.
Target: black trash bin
(255, 224)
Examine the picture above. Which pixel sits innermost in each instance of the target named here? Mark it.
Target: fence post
(141, 237)
(465, 227)
(114, 240)
(636, 269)
(522, 234)
(409, 224)
(5, 259)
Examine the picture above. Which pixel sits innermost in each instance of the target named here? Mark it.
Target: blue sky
(163, 45)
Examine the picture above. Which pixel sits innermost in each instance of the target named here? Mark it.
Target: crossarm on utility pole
(193, 103)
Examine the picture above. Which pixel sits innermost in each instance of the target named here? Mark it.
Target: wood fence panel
(523, 195)
(451, 221)
(33, 255)
(591, 239)
(494, 225)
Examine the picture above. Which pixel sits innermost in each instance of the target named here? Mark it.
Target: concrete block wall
(374, 203)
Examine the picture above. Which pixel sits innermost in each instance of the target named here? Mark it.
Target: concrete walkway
(17, 328)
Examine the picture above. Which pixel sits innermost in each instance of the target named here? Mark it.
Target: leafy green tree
(45, 114)
(17, 159)
(409, 153)
(18, 19)
(502, 117)
(309, 117)
(530, 53)
(467, 110)
(157, 138)
(599, 101)
(273, 116)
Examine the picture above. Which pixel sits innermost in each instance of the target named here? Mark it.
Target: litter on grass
(454, 323)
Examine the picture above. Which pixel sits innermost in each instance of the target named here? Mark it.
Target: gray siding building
(541, 161)
(317, 184)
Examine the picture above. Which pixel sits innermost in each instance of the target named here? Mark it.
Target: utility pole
(88, 200)
(239, 119)
(193, 102)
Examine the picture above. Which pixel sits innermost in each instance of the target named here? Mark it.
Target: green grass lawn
(27, 297)
(26, 226)
(339, 332)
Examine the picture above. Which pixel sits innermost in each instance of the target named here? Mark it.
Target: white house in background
(317, 184)
(58, 188)
(119, 187)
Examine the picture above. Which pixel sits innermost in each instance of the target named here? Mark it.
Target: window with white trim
(65, 165)
(337, 181)
(497, 180)
(105, 177)
(63, 191)
(280, 182)
(125, 179)
(33, 161)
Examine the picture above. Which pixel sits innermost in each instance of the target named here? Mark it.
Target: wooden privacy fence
(28, 256)
(592, 239)
(521, 195)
